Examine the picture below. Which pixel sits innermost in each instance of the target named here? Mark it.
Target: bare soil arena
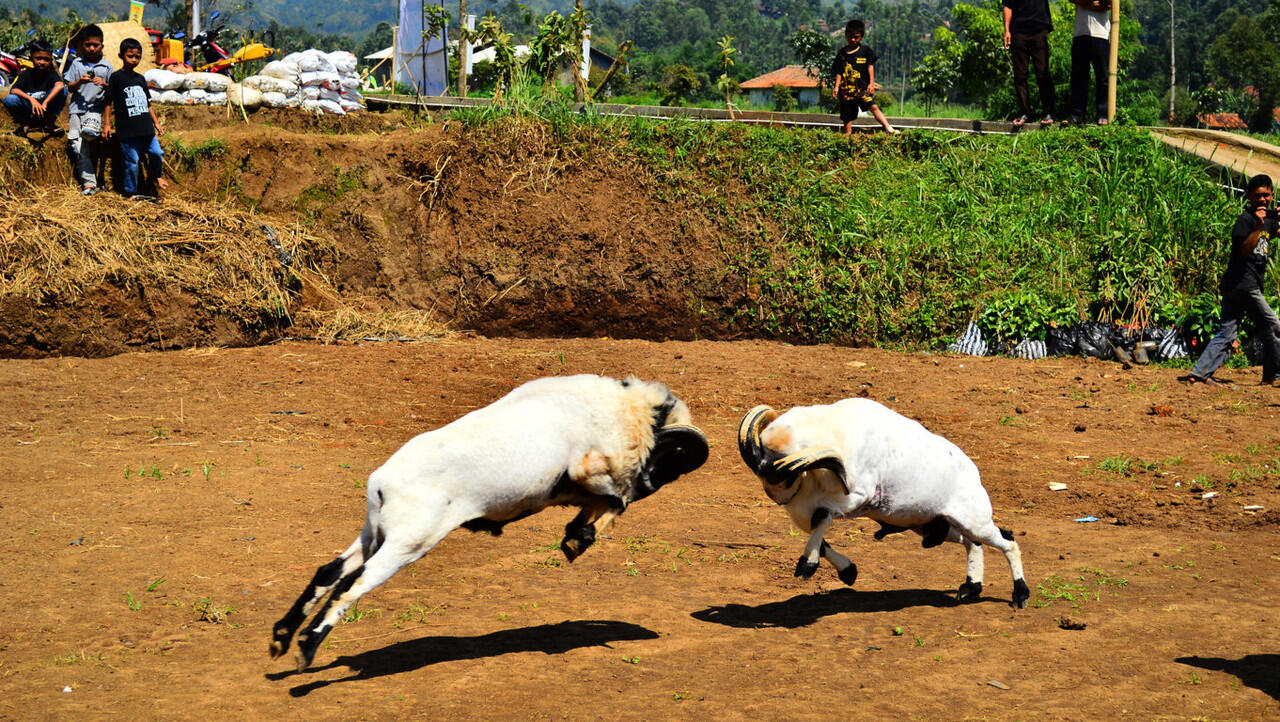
(162, 508)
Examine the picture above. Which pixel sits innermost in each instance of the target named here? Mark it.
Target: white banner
(421, 63)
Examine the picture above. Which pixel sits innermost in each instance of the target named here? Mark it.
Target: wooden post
(463, 46)
(1173, 66)
(613, 68)
(1113, 62)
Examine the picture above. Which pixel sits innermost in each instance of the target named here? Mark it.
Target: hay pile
(56, 247)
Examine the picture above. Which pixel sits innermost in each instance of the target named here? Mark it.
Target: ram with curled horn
(859, 458)
(591, 442)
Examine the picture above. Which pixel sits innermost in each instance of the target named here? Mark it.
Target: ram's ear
(753, 452)
(677, 450)
(789, 467)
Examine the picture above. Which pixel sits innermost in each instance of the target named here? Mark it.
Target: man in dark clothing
(36, 97)
(1241, 288)
(1026, 34)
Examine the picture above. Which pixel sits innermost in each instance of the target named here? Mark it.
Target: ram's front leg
(595, 518)
(816, 545)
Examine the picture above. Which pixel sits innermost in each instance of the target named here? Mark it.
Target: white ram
(586, 441)
(858, 458)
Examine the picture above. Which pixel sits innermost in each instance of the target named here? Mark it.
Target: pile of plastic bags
(312, 80)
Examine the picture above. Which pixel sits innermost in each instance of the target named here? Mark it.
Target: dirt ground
(162, 510)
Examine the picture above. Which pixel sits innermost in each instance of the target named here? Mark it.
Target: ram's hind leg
(1002, 539)
(971, 590)
(323, 581)
(392, 556)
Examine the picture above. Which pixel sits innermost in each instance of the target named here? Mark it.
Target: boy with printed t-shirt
(855, 74)
(86, 78)
(130, 117)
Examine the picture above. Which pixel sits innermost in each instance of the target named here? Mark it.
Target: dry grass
(56, 245)
(347, 324)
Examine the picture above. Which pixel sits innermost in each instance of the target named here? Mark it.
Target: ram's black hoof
(970, 591)
(849, 574)
(805, 568)
(1020, 593)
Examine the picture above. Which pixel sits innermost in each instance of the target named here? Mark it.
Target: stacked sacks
(190, 88)
(312, 80)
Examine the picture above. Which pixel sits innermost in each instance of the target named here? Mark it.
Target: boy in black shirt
(36, 97)
(854, 70)
(130, 117)
(1242, 288)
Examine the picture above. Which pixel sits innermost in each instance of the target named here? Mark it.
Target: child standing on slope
(854, 70)
(130, 117)
(86, 78)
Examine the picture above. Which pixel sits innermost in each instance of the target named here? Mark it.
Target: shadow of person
(417, 653)
(805, 609)
(1260, 671)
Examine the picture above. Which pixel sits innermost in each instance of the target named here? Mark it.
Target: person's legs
(1018, 54)
(1265, 323)
(1040, 59)
(53, 110)
(1219, 349)
(1080, 61)
(19, 109)
(129, 150)
(879, 116)
(155, 165)
(1099, 56)
(81, 153)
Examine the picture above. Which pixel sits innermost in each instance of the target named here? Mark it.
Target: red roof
(792, 76)
(1228, 121)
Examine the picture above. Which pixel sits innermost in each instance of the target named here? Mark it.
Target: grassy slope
(905, 239)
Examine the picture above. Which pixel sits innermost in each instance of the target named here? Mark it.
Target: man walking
(1241, 288)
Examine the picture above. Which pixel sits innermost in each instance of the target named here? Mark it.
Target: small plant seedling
(134, 604)
(355, 614)
(633, 572)
(919, 640)
(897, 631)
(631, 660)
(206, 468)
(155, 584)
(344, 466)
(503, 617)
(208, 611)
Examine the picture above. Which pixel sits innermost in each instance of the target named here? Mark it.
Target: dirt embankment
(499, 228)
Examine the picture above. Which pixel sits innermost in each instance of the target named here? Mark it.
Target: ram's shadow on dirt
(805, 609)
(417, 653)
(1259, 671)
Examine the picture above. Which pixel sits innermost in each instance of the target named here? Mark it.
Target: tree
(1249, 55)
(935, 75)
(727, 51)
(679, 83)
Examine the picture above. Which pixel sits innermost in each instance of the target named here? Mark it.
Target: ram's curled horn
(753, 452)
(677, 450)
(791, 466)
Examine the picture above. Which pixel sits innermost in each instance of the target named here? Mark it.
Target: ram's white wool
(586, 441)
(857, 458)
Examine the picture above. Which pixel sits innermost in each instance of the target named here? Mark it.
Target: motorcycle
(217, 59)
(12, 63)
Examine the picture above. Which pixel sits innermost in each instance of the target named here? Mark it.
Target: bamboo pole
(463, 46)
(1113, 62)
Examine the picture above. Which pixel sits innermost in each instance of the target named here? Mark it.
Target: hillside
(625, 228)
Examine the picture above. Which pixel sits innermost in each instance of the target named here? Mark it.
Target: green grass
(902, 240)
